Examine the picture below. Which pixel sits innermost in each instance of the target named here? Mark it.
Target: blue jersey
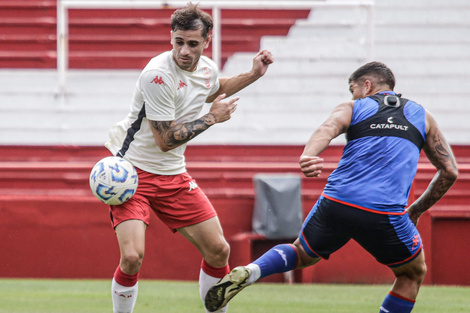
(380, 160)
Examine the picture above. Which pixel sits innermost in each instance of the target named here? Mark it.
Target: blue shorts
(392, 239)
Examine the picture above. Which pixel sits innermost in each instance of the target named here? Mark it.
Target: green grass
(67, 296)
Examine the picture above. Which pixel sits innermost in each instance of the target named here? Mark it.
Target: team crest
(206, 73)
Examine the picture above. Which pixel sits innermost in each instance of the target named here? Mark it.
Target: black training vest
(389, 120)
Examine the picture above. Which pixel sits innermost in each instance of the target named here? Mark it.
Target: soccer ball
(113, 180)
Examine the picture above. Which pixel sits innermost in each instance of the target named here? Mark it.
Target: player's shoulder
(362, 103)
(161, 62)
(158, 70)
(411, 102)
(207, 62)
(413, 107)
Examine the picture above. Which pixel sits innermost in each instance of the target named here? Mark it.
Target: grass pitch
(71, 296)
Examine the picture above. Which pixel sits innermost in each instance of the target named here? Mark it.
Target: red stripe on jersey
(363, 208)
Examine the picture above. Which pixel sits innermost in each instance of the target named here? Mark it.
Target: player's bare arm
(440, 155)
(336, 124)
(169, 135)
(232, 85)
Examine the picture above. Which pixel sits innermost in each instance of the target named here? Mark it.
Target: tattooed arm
(169, 135)
(440, 155)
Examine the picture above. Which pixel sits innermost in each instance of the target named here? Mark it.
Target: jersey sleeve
(213, 72)
(215, 86)
(158, 93)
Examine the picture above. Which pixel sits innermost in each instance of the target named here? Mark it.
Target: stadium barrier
(52, 226)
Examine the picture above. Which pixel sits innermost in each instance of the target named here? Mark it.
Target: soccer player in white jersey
(164, 116)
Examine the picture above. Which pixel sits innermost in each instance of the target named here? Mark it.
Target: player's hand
(311, 166)
(261, 62)
(223, 110)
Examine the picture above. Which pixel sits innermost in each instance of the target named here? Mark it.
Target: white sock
(255, 273)
(124, 298)
(205, 282)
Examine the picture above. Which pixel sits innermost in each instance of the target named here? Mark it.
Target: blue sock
(394, 303)
(280, 259)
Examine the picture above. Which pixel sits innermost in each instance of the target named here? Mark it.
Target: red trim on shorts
(124, 279)
(363, 208)
(401, 297)
(306, 242)
(217, 272)
(411, 258)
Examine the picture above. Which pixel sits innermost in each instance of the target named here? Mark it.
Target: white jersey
(163, 92)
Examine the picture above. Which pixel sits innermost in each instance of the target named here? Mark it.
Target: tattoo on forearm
(436, 190)
(440, 147)
(439, 152)
(175, 135)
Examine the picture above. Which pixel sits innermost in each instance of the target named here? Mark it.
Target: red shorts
(176, 199)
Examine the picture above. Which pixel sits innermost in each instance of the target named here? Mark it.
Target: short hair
(378, 70)
(191, 18)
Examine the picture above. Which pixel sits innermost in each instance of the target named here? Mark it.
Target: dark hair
(377, 70)
(191, 18)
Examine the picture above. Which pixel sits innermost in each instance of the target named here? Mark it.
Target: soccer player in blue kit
(366, 195)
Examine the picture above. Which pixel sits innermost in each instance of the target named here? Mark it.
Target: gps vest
(388, 121)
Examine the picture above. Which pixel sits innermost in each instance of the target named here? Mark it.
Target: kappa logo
(192, 185)
(282, 254)
(181, 85)
(415, 242)
(158, 80)
(125, 296)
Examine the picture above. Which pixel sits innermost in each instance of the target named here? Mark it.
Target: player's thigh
(131, 237)
(392, 239)
(206, 236)
(415, 270)
(179, 202)
(324, 231)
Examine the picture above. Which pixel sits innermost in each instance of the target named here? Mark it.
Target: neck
(377, 90)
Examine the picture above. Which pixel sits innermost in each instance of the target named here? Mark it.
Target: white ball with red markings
(113, 180)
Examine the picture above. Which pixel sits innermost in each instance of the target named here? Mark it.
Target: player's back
(380, 160)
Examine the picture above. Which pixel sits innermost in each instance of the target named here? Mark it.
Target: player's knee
(420, 272)
(223, 249)
(304, 259)
(415, 273)
(220, 252)
(131, 262)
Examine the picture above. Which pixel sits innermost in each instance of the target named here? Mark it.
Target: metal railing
(215, 5)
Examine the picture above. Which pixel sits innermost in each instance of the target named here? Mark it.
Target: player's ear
(367, 86)
(171, 37)
(208, 40)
